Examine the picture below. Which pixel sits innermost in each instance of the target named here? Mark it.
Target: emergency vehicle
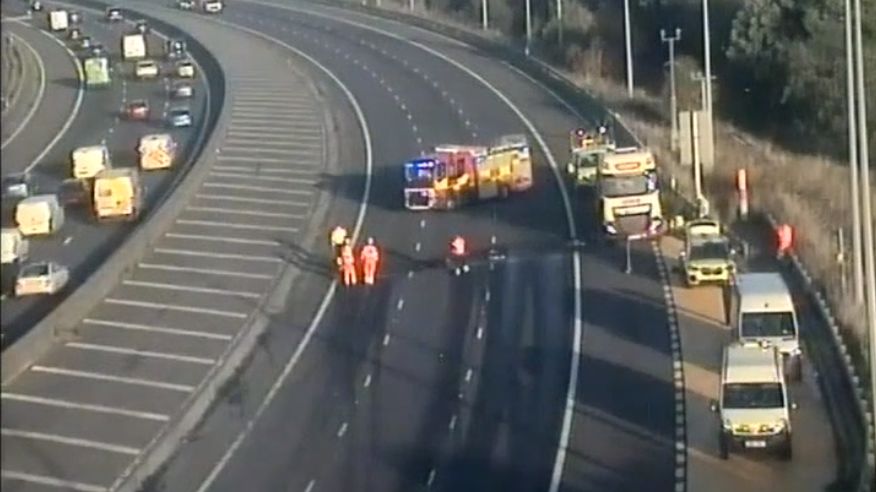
(87, 162)
(157, 151)
(117, 194)
(627, 194)
(708, 255)
(97, 72)
(586, 151)
(456, 174)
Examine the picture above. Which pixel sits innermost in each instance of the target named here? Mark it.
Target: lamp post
(629, 43)
(673, 97)
(528, 25)
(485, 17)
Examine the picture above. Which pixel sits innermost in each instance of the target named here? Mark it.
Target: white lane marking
(310, 485)
(156, 329)
(342, 430)
(41, 69)
(190, 288)
(400, 304)
(142, 353)
(51, 481)
(317, 319)
(487, 295)
(80, 93)
(480, 333)
(417, 246)
(232, 225)
(265, 189)
(422, 223)
(204, 271)
(431, 478)
(254, 213)
(71, 441)
(257, 177)
(468, 374)
(410, 273)
(260, 160)
(266, 201)
(184, 388)
(205, 254)
(68, 240)
(367, 381)
(386, 338)
(267, 170)
(296, 135)
(175, 307)
(72, 405)
(452, 424)
(258, 150)
(222, 239)
(274, 113)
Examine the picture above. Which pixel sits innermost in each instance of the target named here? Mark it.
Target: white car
(180, 117)
(43, 277)
(146, 69)
(185, 70)
(182, 90)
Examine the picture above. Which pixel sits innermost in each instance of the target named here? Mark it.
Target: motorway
(70, 117)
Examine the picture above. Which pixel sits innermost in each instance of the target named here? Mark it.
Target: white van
(86, 162)
(762, 311)
(58, 20)
(13, 247)
(753, 405)
(39, 214)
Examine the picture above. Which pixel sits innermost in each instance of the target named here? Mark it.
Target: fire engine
(586, 151)
(627, 194)
(454, 175)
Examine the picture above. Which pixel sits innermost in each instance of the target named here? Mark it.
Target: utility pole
(707, 65)
(485, 18)
(673, 97)
(560, 23)
(629, 42)
(857, 256)
(528, 25)
(411, 5)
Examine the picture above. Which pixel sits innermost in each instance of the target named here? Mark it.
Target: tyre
(723, 448)
(787, 451)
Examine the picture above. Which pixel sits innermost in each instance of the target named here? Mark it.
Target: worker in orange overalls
(369, 257)
(456, 261)
(784, 240)
(347, 263)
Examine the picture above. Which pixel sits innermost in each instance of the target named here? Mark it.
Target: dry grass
(809, 192)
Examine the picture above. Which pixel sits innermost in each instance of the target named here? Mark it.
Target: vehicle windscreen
(620, 186)
(419, 175)
(753, 395)
(181, 113)
(35, 270)
(587, 160)
(777, 324)
(712, 250)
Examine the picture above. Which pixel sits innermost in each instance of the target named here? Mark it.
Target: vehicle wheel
(787, 452)
(503, 192)
(723, 449)
(797, 371)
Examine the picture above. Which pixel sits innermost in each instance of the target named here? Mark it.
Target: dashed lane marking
(156, 329)
(223, 157)
(342, 430)
(71, 441)
(184, 388)
(88, 407)
(367, 381)
(256, 177)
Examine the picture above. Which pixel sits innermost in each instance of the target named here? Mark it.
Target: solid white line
(108, 377)
(72, 405)
(156, 329)
(304, 181)
(40, 91)
(51, 481)
(205, 254)
(176, 307)
(222, 239)
(190, 288)
(342, 430)
(72, 441)
(284, 191)
(230, 225)
(80, 93)
(267, 170)
(255, 213)
(142, 353)
(267, 201)
(317, 319)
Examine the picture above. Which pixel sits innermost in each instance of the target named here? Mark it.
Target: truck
(157, 151)
(97, 71)
(586, 151)
(59, 20)
(627, 195)
(454, 175)
(117, 194)
(87, 162)
(133, 46)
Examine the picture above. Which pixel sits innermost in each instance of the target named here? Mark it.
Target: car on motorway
(708, 256)
(74, 192)
(36, 6)
(185, 69)
(142, 26)
(16, 186)
(85, 43)
(74, 34)
(97, 50)
(212, 6)
(175, 48)
(137, 110)
(113, 14)
(753, 404)
(146, 69)
(41, 277)
(179, 117)
(182, 90)
(185, 4)
(75, 17)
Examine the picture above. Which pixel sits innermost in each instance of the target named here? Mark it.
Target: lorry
(39, 215)
(708, 256)
(59, 20)
(157, 151)
(133, 46)
(586, 151)
(117, 194)
(627, 195)
(87, 162)
(454, 175)
(97, 71)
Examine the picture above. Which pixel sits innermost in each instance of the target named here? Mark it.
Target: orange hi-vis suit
(347, 262)
(785, 239)
(369, 257)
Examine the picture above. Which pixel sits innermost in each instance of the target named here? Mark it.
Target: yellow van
(117, 194)
(39, 215)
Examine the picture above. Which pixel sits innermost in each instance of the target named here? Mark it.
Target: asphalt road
(426, 380)
(82, 244)
(23, 83)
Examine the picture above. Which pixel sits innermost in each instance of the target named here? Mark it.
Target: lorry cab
(13, 247)
(707, 256)
(762, 311)
(753, 405)
(627, 194)
(39, 215)
(87, 161)
(117, 194)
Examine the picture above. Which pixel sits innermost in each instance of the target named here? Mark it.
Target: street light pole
(560, 23)
(857, 257)
(707, 53)
(528, 25)
(673, 97)
(628, 36)
(411, 5)
(485, 18)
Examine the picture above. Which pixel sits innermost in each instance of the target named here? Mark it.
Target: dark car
(185, 5)
(137, 110)
(75, 17)
(85, 43)
(114, 14)
(142, 26)
(176, 48)
(74, 192)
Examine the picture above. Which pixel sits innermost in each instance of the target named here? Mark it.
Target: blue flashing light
(421, 163)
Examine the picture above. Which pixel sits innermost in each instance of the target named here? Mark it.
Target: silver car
(182, 90)
(180, 117)
(42, 277)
